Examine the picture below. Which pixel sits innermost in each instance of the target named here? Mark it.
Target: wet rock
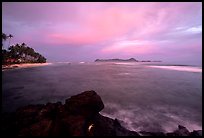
(8, 124)
(41, 128)
(27, 115)
(74, 125)
(145, 133)
(196, 133)
(104, 126)
(28, 111)
(49, 110)
(87, 103)
(182, 131)
(79, 116)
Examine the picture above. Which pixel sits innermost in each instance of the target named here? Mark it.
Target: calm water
(144, 97)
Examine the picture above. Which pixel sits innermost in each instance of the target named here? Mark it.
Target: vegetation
(19, 53)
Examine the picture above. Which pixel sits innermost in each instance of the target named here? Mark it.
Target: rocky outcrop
(79, 116)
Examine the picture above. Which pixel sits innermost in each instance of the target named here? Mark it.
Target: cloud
(122, 28)
(196, 29)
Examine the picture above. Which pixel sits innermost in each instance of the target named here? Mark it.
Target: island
(116, 60)
(124, 60)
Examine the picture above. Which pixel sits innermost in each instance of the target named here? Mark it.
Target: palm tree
(9, 36)
(4, 38)
(23, 44)
(23, 52)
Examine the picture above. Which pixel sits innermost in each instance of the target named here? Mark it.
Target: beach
(24, 65)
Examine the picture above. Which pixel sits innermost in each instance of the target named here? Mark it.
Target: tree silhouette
(4, 38)
(19, 53)
(24, 54)
(9, 36)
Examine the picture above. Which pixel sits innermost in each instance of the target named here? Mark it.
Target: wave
(124, 63)
(170, 126)
(180, 68)
(124, 73)
(153, 119)
(64, 62)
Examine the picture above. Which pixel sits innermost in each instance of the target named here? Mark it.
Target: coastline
(78, 116)
(24, 65)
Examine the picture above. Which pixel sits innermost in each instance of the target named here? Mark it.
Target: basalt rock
(79, 116)
(54, 119)
(87, 103)
(196, 133)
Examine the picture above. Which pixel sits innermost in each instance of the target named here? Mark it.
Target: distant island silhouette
(124, 60)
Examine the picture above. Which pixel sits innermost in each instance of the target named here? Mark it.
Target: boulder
(104, 126)
(87, 103)
(41, 128)
(196, 133)
(79, 116)
(182, 131)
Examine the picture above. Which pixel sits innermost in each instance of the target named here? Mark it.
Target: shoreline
(78, 116)
(24, 65)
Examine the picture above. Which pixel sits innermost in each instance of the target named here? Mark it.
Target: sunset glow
(170, 32)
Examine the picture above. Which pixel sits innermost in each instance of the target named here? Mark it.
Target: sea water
(150, 97)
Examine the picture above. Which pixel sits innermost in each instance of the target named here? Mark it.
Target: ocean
(143, 96)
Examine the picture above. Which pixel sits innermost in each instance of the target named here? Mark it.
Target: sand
(24, 65)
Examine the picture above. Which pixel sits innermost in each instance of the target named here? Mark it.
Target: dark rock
(50, 110)
(171, 134)
(87, 103)
(79, 116)
(41, 128)
(8, 124)
(181, 127)
(104, 126)
(196, 133)
(27, 111)
(182, 131)
(27, 115)
(74, 125)
(117, 123)
(145, 133)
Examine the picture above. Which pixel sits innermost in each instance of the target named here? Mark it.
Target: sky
(65, 31)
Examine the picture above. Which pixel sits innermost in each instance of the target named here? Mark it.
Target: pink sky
(169, 32)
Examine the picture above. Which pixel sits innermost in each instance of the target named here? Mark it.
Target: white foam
(124, 73)
(180, 68)
(63, 62)
(176, 120)
(130, 116)
(125, 116)
(124, 63)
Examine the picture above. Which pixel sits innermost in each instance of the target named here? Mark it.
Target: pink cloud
(97, 27)
(111, 28)
(133, 47)
(109, 23)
